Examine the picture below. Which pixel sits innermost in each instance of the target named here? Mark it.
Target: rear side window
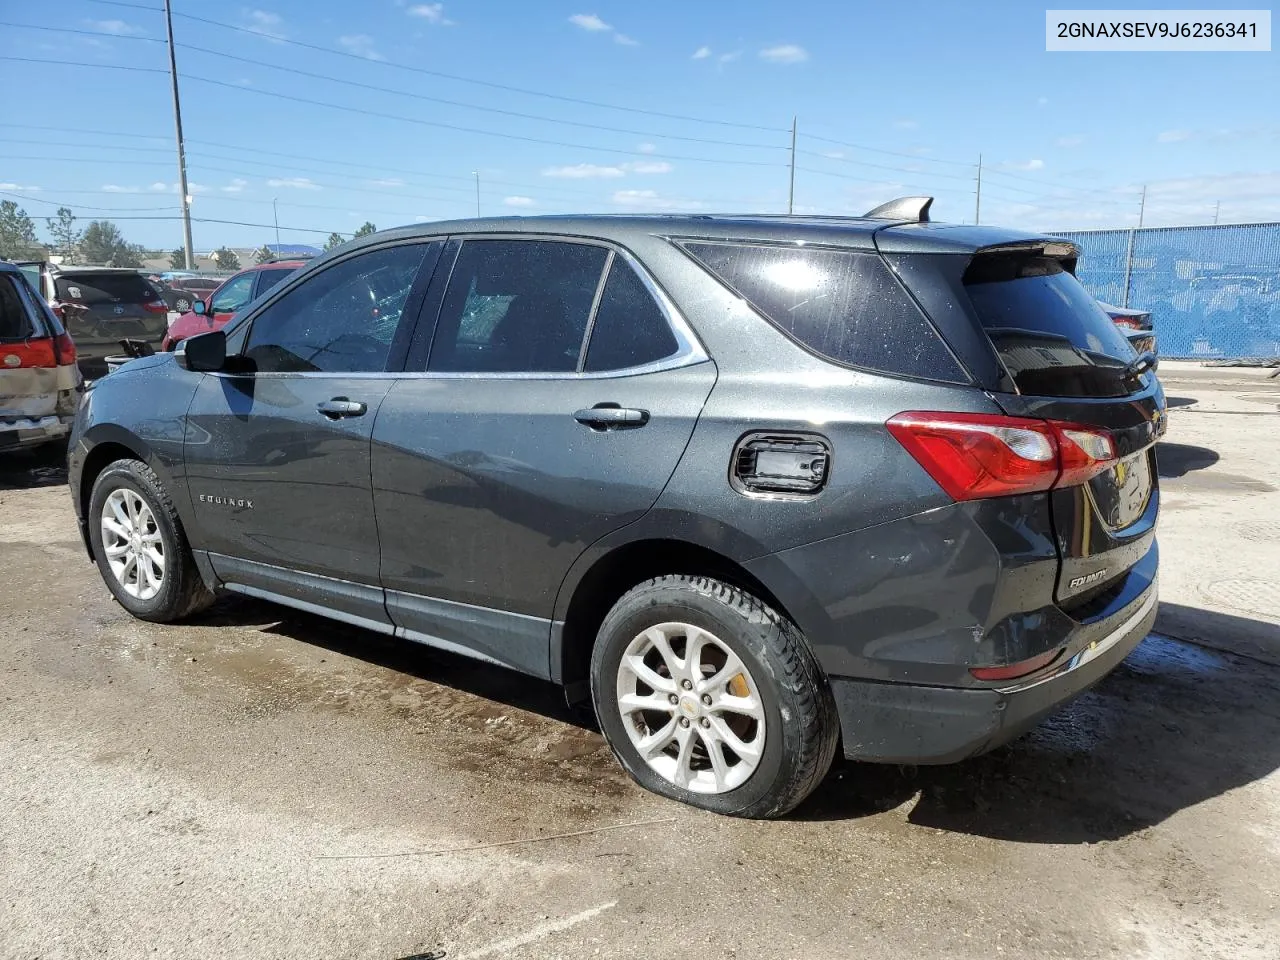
(845, 306)
(1053, 338)
(15, 322)
(93, 288)
(269, 278)
(517, 306)
(630, 328)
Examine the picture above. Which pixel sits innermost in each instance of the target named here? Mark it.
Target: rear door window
(517, 306)
(630, 329)
(268, 279)
(1053, 338)
(843, 305)
(93, 288)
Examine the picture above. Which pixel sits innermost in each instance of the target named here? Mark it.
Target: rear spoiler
(1063, 251)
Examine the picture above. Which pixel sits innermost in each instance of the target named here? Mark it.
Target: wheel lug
(706, 699)
(684, 721)
(704, 722)
(687, 684)
(672, 698)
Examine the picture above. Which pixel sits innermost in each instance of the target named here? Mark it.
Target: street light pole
(275, 216)
(477, 174)
(184, 195)
(791, 192)
(977, 195)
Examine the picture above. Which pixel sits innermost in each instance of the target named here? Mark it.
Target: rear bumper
(904, 723)
(32, 431)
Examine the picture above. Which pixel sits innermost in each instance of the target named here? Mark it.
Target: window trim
(689, 348)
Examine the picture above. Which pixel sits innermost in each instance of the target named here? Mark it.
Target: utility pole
(791, 192)
(182, 150)
(977, 195)
(1142, 208)
(275, 216)
(1217, 205)
(477, 175)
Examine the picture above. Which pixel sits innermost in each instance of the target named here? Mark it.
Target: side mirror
(203, 353)
(200, 307)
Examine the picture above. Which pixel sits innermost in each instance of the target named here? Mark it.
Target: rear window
(104, 288)
(844, 305)
(15, 322)
(1053, 338)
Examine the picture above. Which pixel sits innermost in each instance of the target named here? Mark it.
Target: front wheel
(182, 305)
(706, 695)
(140, 547)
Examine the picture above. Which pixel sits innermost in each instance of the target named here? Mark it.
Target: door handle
(611, 417)
(340, 407)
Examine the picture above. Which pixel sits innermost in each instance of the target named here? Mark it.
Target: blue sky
(892, 99)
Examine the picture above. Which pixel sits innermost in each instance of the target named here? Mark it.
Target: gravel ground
(262, 783)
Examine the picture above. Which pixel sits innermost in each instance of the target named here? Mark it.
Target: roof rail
(904, 208)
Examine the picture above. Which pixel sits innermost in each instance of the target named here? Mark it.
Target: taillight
(31, 353)
(64, 349)
(975, 455)
(156, 306)
(57, 309)
(1129, 323)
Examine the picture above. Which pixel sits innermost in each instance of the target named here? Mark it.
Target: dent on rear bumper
(905, 723)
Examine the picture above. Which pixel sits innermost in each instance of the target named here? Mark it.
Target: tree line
(101, 243)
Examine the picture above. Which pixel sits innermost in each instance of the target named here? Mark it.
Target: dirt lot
(266, 784)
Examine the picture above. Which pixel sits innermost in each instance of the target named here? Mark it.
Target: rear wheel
(182, 305)
(708, 696)
(141, 550)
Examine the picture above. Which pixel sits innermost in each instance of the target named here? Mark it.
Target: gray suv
(761, 489)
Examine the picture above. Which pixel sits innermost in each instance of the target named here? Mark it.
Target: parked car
(100, 306)
(758, 488)
(40, 384)
(181, 293)
(1135, 325)
(214, 310)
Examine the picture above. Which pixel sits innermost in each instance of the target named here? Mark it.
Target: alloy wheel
(691, 708)
(132, 543)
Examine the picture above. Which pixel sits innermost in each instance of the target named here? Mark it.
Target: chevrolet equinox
(759, 488)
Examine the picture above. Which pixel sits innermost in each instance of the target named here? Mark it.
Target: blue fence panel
(1213, 291)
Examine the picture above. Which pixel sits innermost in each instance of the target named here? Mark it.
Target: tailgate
(1068, 362)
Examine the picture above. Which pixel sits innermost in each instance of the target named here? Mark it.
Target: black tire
(182, 591)
(802, 730)
(182, 305)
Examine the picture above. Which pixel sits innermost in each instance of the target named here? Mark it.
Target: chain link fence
(1213, 291)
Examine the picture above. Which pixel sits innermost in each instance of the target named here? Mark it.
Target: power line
(62, 128)
(81, 206)
(82, 33)
(881, 166)
(96, 66)
(332, 51)
(474, 106)
(891, 153)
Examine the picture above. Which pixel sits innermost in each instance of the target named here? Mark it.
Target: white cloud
(652, 200)
(519, 201)
(626, 41)
(361, 44)
(785, 53)
(235, 186)
(584, 171)
(1029, 165)
(433, 13)
(905, 124)
(648, 166)
(1042, 101)
(159, 185)
(1173, 136)
(116, 188)
(117, 27)
(386, 182)
(18, 186)
(647, 148)
(1069, 141)
(701, 53)
(589, 22)
(729, 57)
(294, 183)
(265, 24)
